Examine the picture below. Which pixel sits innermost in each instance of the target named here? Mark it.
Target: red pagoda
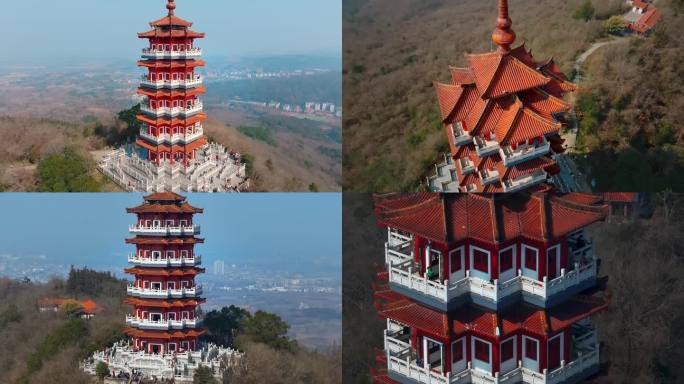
(502, 115)
(171, 112)
(492, 288)
(164, 294)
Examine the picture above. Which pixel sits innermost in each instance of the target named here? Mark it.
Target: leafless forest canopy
(643, 261)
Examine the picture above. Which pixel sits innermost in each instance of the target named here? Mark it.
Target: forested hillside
(632, 108)
(45, 347)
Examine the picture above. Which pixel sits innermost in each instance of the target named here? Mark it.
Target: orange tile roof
(497, 218)
(524, 168)
(164, 303)
(172, 92)
(134, 332)
(448, 96)
(166, 64)
(187, 271)
(522, 124)
(165, 208)
(89, 306)
(154, 147)
(172, 33)
(498, 74)
(543, 103)
(647, 21)
(473, 319)
(156, 240)
(172, 121)
(171, 20)
(462, 76)
(164, 196)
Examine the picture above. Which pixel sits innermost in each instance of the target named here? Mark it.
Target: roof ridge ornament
(503, 35)
(171, 6)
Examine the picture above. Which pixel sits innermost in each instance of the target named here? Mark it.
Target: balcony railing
(523, 153)
(401, 360)
(172, 138)
(489, 176)
(163, 293)
(177, 54)
(485, 147)
(162, 324)
(524, 182)
(167, 262)
(186, 230)
(403, 274)
(466, 165)
(173, 111)
(461, 136)
(181, 83)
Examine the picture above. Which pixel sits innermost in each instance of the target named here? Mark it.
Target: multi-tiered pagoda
(171, 152)
(502, 115)
(164, 294)
(494, 288)
(164, 325)
(172, 114)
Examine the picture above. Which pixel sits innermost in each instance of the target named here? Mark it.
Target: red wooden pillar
(496, 359)
(494, 263)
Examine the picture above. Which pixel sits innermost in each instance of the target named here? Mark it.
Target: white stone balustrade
(149, 53)
(146, 323)
(165, 262)
(179, 83)
(186, 230)
(150, 293)
(172, 138)
(172, 111)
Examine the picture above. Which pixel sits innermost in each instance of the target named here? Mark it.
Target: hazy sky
(89, 229)
(107, 28)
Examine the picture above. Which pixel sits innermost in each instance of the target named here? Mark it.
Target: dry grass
(395, 49)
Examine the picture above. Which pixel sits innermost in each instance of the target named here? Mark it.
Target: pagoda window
(171, 285)
(508, 349)
(530, 257)
(156, 223)
(530, 353)
(185, 345)
(171, 347)
(156, 286)
(185, 315)
(170, 254)
(184, 254)
(479, 261)
(189, 47)
(432, 355)
(555, 351)
(156, 255)
(155, 316)
(553, 262)
(168, 47)
(458, 355)
(457, 264)
(481, 352)
(507, 267)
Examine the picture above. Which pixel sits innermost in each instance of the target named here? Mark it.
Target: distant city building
(642, 17)
(219, 267)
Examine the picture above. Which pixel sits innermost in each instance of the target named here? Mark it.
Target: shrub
(66, 172)
(102, 370)
(585, 11)
(615, 25)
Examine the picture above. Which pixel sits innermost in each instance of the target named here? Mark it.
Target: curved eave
(165, 208)
(134, 332)
(174, 33)
(196, 118)
(164, 303)
(160, 63)
(143, 271)
(153, 240)
(172, 93)
(192, 146)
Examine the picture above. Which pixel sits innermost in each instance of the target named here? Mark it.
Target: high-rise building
(488, 288)
(219, 267)
(502, 115)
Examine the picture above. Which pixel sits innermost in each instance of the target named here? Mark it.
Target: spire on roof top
(503, 35)
(171, 6)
